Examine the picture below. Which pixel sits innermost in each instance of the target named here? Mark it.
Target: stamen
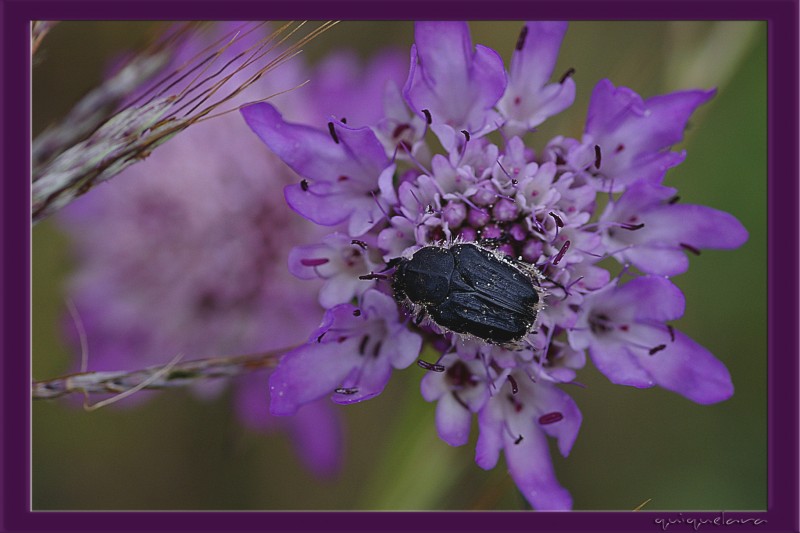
(559, 222)
(551, 418)
(333, 133)
(319, 339)
(671, 333)
(518, 440)
(343, 120)
(428, 117)
(657, 349)
(513, 181)
(376, 350)
(363, 344)
(632, 227)
(522, 35)
(514, 387)
(304, 185)
(314, 262)
(690, 248)
(561, 253)
(674, 200)
(357, 312)
(360, 244)
(570, 71)
(430, 366)
(341, 390)
(466, 134)
(597, 156)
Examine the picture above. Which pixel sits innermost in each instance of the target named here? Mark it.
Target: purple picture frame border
(783, 272)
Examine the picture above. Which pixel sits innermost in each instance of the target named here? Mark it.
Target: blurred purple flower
(187, 251)
(536, 207)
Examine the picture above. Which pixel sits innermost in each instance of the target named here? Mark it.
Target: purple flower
(186, 252)
(517, 420)
(538, 209)
(529, 99)
(653, 232)
(348, 170)
(634, 135)
(457, 85)
(625, 329)
(352, 355)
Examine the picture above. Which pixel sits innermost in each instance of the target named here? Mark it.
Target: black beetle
(471, 290)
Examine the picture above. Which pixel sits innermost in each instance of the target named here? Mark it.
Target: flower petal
(690, 370)
(695, 225)
(619, 365)
(550, 399)
(532, 470)
(458, 86)
(490, 438)
(309, 373)
(528, 99)
(317, 433)
(646, 298)
(344, 173)
(452, 421)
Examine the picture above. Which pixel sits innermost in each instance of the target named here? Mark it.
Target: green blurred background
(179, 452)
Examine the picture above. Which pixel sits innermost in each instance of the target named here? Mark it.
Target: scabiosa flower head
(187, 253)
(535, 217)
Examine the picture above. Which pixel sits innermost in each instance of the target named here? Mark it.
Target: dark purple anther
(333, 133)
(551, 418)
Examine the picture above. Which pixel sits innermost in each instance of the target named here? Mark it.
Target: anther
(519, 439)
(522, 35)
(343, 120)
(376, 350)
(690, 248)
(559, 222)
(561, 253)
(360, 244)
(363, 344)
(357, 312)
(333, 133)
(430, 366)
(514, 387)
(304, 185)
(314, 262)
(341, 390)
(428, 117)
(466, 134)
(657, 349)
(674, 200)
(632, 227)
(570, 71)
(671, 333)
(597, 156)
(551, 418)
(319, 339)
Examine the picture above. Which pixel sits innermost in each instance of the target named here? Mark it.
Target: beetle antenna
(373, 275)
(430, 366)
